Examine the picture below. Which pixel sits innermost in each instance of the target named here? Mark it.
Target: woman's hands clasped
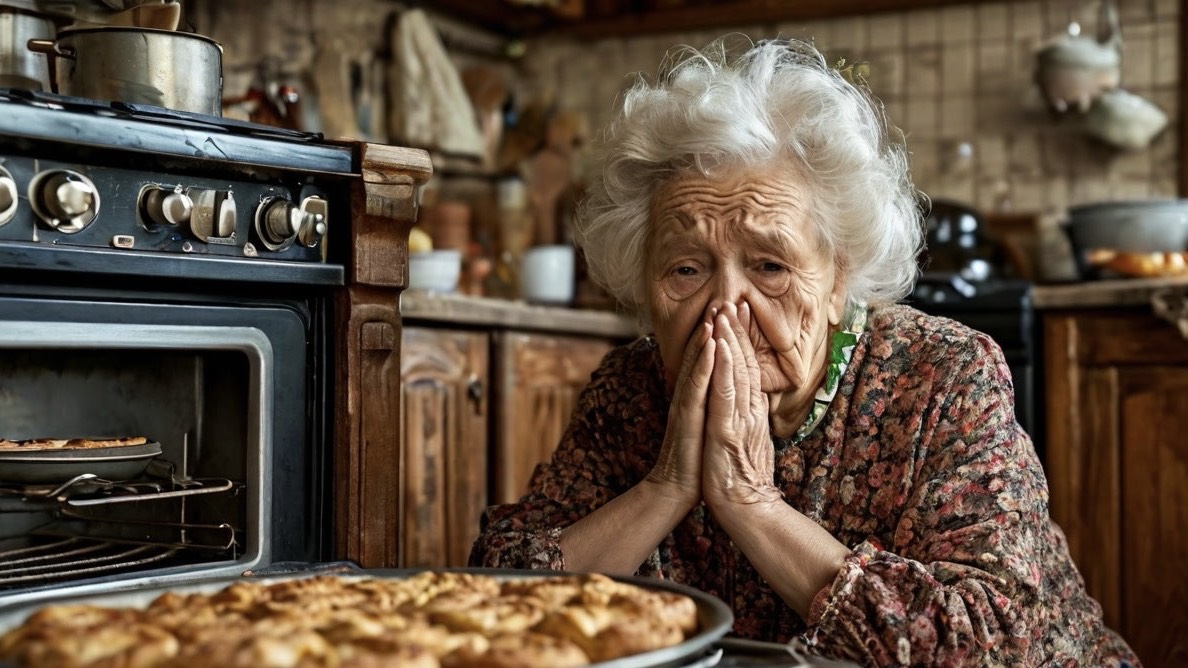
(678, 467)
(717, 446)
(738, 460)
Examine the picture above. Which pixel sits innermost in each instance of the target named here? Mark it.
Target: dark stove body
(170, 276)
(1001, 308)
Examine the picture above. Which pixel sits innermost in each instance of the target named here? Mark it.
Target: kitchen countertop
(425, 306)
(437, 307)
(1105, 293)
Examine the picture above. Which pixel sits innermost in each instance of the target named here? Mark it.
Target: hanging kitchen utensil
(1072, 71)
(1124, 120)
(429, 105)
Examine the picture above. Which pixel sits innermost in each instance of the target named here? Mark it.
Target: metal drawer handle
(474, 390)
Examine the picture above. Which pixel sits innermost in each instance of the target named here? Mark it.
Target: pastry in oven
(68, 443)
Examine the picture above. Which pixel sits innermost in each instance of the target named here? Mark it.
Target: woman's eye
(772, 267)
(685, 270)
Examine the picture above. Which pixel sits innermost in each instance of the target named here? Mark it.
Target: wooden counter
(1099, 294)
(419, 305)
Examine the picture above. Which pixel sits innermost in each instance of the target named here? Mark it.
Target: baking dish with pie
(48, 460)
(455, 618)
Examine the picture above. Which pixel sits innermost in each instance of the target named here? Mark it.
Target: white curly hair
(775, 102)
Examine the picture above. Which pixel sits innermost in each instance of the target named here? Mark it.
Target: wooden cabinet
(444, 376)
(1117, 415)
(488, 387)
(540, 378)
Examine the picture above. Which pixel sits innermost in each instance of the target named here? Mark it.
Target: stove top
(147, 112)
(144, 128)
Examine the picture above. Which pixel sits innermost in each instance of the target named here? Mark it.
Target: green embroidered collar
(841, 349)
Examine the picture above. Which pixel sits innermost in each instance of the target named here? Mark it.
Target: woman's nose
(730, 287)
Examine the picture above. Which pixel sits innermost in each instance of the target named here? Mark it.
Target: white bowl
(436, 270)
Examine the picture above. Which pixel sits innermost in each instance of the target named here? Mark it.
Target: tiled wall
(958, 80)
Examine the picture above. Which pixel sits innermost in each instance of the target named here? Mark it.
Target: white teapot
(1074, 70)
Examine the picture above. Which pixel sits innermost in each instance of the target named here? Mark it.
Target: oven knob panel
(64, 200)
(161, 206)
(213, 216)
(8, 196)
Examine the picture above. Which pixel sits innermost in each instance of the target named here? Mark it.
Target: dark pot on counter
(164, 68)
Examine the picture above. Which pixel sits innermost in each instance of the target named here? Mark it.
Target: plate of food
(54, 460)
(452, 618)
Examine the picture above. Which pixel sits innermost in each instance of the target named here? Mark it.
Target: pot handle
(52, 52)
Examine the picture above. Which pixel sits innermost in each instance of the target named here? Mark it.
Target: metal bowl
(1137, 226)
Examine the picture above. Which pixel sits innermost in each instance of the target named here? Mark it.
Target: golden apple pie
(431, 619)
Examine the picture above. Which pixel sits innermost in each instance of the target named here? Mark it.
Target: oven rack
(56, 559)
(88, 489)
(76, 546)
(77, 530)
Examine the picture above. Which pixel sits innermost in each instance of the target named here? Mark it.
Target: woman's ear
(837, 297)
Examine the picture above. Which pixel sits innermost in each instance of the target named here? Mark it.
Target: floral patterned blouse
(918, 466)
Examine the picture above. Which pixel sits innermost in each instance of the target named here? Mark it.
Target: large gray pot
(176, 70)
(1130, 226)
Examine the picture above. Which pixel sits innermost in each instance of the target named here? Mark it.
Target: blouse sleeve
(959, 584)
(598, 458)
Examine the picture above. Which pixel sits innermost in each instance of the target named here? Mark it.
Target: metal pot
(20, 67)
(164, 68)
(1137, 226)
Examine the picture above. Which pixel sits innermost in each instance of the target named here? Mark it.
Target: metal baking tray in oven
(38, 467)
(713, 616)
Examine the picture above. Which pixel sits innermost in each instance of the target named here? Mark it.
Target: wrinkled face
(744, 238)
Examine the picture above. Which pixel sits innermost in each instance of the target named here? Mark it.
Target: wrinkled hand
(678, 467)
(738, 462)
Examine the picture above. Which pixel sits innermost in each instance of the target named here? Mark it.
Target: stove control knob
(278, 221)
(213, 216)
(162, 206)
(8, 196)
(64, 200)
(314, 222)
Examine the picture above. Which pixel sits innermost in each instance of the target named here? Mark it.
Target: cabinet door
(540, 378)
(1117, 413)
(444, 379)
(1154, 428)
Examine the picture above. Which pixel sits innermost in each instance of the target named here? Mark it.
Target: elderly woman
(834, 466)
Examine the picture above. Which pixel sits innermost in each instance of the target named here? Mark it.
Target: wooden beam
(636, 18)
(735, 13)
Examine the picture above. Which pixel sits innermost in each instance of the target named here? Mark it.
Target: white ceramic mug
(546, 274)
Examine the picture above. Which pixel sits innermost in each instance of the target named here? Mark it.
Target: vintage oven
(225, 290)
